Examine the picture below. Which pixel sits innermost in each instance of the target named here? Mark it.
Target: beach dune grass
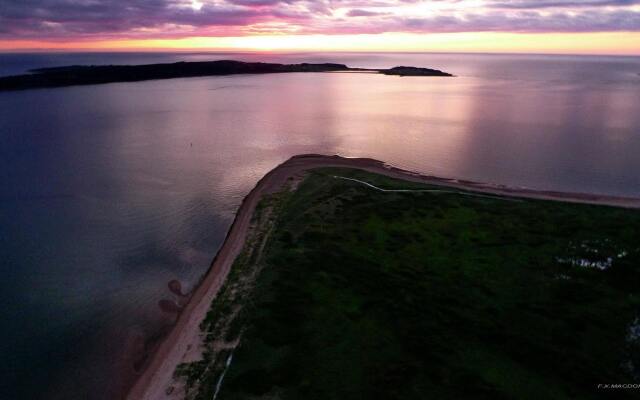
(372, 295)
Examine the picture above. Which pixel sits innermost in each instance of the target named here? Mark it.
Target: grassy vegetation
(370, 295)
(226, 319)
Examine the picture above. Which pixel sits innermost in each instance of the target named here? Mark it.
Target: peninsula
(91, 75)
(348, 278)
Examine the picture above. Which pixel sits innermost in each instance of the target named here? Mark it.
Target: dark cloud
(542, 4)
(527, 22)
(364, 13)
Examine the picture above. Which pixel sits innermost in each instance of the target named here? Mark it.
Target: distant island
(413, 71)
(91, 75)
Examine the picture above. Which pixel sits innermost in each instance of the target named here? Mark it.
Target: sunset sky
(546, 26)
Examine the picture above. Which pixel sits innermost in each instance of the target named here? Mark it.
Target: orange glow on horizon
(614, 43)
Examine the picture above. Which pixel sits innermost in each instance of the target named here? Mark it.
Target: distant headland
(92, 75)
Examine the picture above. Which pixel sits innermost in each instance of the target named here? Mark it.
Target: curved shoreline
(153, 382)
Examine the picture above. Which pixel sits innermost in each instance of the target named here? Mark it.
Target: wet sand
(155, 381)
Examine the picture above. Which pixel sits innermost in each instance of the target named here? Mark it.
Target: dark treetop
(90, 75)
(413, 71)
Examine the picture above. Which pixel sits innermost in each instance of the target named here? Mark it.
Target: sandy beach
(155, 382)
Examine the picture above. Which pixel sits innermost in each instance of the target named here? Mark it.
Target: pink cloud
(20, 19)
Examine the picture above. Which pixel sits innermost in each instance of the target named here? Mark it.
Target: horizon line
(197, 50)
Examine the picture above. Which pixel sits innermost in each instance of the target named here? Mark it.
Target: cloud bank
(51, 19)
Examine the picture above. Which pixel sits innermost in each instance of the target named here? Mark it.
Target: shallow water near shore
(109, 192)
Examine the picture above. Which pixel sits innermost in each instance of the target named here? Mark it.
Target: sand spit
(157, 378)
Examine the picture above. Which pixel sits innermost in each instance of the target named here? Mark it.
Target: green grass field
(370, 295)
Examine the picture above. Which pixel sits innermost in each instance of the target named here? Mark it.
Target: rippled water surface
(109, 192)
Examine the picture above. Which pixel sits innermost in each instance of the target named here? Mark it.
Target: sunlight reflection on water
(112, 191)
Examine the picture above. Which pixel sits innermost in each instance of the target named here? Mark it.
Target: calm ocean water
(109, 192)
